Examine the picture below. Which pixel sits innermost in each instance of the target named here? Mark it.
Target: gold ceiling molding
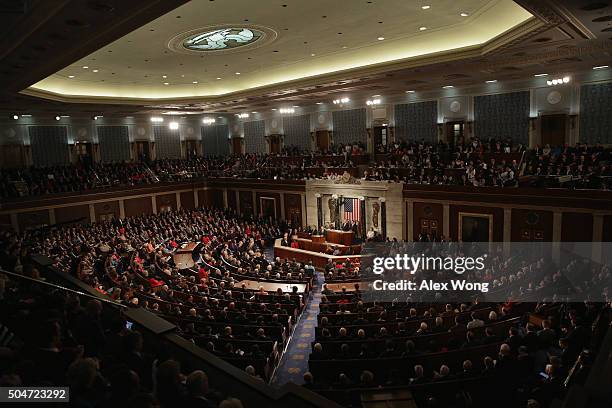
(512, 36)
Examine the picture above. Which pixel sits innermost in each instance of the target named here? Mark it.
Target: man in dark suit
(285, 240)
(197, 388)
(347, 225)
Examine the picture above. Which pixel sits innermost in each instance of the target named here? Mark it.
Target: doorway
(275, 145)
(381, 136)
(191, 148)
(143, 151)
(237, 145)
(84, 152)
(322, 137)
(553, 129)
(455, 132)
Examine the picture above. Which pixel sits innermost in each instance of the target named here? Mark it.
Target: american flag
(352, 209)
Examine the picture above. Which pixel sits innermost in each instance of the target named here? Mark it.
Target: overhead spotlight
(208, 121)
(422, 28)
(566, 80)
(57, 118)
(243, 115)
(340, 101)
(97, 117)
(164, 76)
(601, 67)
(549, 82)
(447, 86)
(218, 78)
(15, 117)
(173, 125)
(380, 38)
(85, 67)
(94, 70)
(540, 75)
(319, 103)
(373, 102)
(237, 73)
(410, 91)
(157, 119)
(70, 76)
(425, 7)
(464, 14)
(166, 83)
(194, 82)
(286, 111)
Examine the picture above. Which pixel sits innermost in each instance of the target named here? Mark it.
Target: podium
(183, 256)
(340, 237)
(318, 238)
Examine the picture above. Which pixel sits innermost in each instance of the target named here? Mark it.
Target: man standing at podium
(347, 225)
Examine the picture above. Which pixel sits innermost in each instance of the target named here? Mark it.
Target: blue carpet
(294, 363)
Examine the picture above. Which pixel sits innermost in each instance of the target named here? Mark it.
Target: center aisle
(294, 363)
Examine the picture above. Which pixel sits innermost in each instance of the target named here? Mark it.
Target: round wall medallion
(190, 131)
(82, 132)
(455, 106)
(222, 38)
(274, 123)
(10, 133)
(554, 97)
(321, 119)
(141, 131)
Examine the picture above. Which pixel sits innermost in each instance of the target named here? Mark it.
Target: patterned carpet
(295, 360)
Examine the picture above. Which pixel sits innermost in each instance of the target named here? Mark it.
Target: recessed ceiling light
(410, 91)
(380, 38)
(218, 78)
(375, 96)
(295, 106)
(601, 67)
(273, 109)
(312, 55)
(464, 14)
(344, 47)
(166, 83)
(164, 76)
(70, 76)
(57, 118)
(194, 82)
(491, 81)
(422, 28)
(253, 112)
(540, 75)
(173, 125)
(15, 117)
(85, 67)
(447, 86)
(319, 103)
(425, 7)
(94, 70)
(237, 73)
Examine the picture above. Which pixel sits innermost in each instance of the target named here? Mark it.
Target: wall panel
(349, 126)
(114, 143)
(427, 217)
(49, 145)
(596, 113)
(138, 206)
(187, 200)
(76, 213)
(254, 136)
(416, 121)
(167, 142)
(502, 116)
(297, 131)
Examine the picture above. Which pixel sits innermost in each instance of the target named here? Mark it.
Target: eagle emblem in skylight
(222, 39)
